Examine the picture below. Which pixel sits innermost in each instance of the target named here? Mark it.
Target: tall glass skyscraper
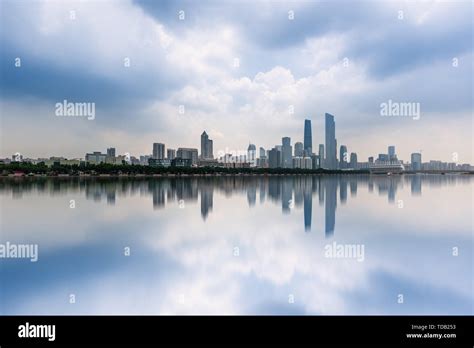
(330, 133)
(308, 138)
(286, 151)
(206, 146)
(343, 156)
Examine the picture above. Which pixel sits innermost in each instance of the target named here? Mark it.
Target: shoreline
(220, 174)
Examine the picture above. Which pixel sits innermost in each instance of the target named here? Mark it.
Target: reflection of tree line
(289, 191)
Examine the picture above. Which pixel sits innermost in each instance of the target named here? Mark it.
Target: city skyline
(282, 155)
(175, 76)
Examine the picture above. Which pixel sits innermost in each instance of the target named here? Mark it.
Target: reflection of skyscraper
(286, 195)
(308, 202)
(252, 193)
(343, 190)
(330, 133)
(158, 195)
(330, 205)
(416, 185)
(207, 194)
(308, 138)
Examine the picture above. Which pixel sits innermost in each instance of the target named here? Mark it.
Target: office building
(274, 158)
(391, 153)
(158, 151)
(111, 152)
(416, 161)
(187, 154)
(286, 150)
(353, 163)
(308, 138)
(343, 156)
(330, 135)
(299, 149)
(321, 156)
(206, 146)
(171, 154)
(96, 157)
(252, 155)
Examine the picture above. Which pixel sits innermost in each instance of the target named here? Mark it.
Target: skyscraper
(187, 154)
(111, 152)
(353, 160)
(299, 150)
(206, 146)
(331, 151)
(274, 158)
(158, 151)
(321, 155)
(308, 138)
(252, 155)
(286, 159)
(171, 154)
(416, 161)
(343, 157)
(391, 153)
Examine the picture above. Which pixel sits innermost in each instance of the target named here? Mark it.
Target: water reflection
(290, 191)
(183, 233)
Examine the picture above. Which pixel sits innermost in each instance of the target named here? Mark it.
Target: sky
(243, 71)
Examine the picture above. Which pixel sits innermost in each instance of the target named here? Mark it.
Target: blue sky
(342, 57)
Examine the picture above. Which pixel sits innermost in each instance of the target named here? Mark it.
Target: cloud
(237, 68)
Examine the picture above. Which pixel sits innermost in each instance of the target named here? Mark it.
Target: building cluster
(284, 155)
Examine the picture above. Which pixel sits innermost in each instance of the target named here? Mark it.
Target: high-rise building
(416, 161)
(252, 155)
(262, 152)
(331, 151)
(321, 155)
(299, 150)
(286, 152)
(308, 138)
(96, 157)
(171, 154)
(206, 146)
(111, 152)
(274, 158)
(353, 163)
(158, 151)
(187, 154)
(343, 157)
(391, 153)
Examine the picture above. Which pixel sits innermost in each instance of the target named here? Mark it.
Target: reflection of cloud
(182, 264)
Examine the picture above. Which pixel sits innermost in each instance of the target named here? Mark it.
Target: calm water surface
(239, 245)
